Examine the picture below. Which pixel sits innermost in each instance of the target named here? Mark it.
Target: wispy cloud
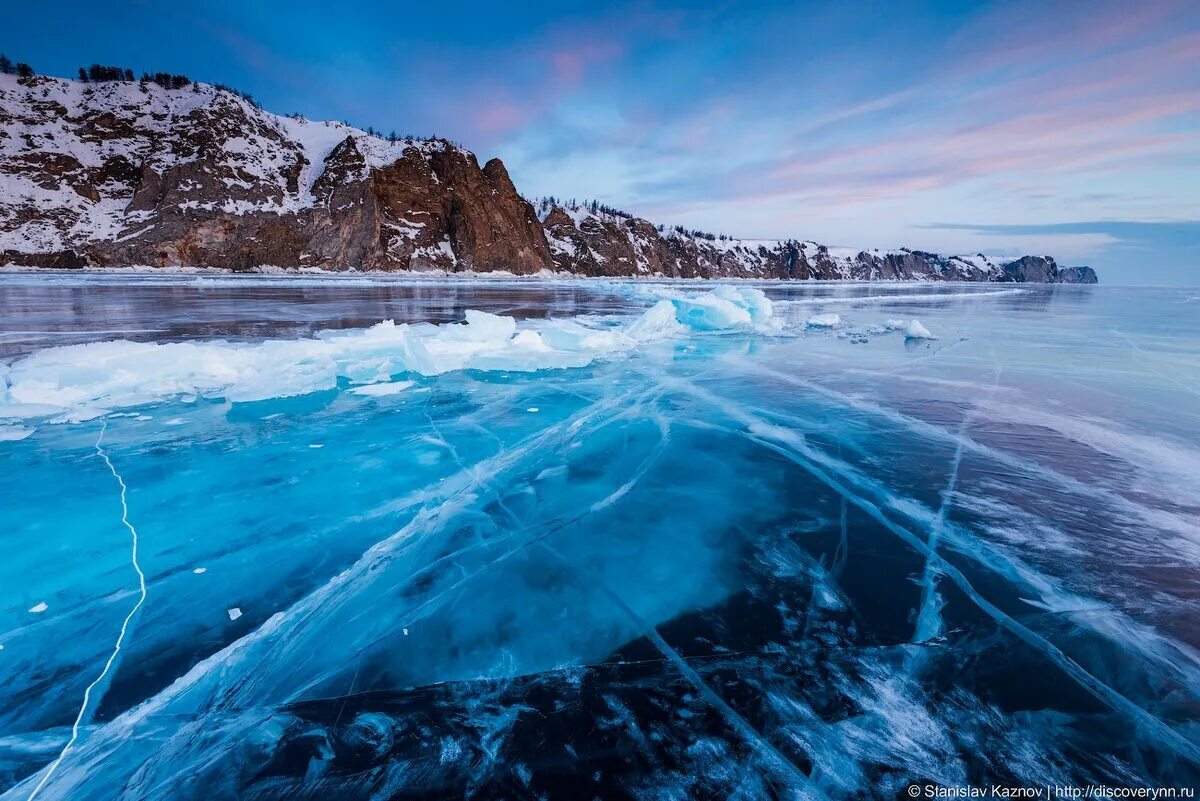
(1171, 233)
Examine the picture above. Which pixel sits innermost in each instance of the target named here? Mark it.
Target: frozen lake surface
(645, 540)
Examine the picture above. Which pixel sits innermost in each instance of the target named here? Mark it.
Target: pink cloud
(1068, 114)
(500, 116)
(1017, 33)
(569, 65)
(539, 76)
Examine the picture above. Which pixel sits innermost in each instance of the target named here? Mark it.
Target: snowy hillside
(115, 173)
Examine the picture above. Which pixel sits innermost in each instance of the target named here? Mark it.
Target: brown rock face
(442, 211)
(199, 177)
(599, 243)
(431, 208)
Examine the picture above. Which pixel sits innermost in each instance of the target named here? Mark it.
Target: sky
(1067, 128)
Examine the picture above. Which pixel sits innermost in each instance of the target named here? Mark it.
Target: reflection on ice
(713, 553)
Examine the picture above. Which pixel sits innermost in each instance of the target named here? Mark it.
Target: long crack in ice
(929, 620)
(112, 658)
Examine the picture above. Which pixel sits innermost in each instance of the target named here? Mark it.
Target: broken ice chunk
(710, 313)
(38, 608)
(571, 336)
(657, 322)
(915, 330)
(81, 381)
(828, 320)
(480, 326)
(754, 301)
(234, 613)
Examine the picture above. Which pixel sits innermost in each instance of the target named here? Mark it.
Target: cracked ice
(623, 540)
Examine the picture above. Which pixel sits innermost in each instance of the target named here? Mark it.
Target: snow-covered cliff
(125, 172)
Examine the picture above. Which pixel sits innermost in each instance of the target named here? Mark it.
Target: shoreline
(445, 276)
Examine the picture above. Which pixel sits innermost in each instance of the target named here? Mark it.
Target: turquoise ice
(643, 539)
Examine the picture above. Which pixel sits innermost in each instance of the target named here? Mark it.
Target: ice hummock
(724, 308)
(76, 382)
(914, 330)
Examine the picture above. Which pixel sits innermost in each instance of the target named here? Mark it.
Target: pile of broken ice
(100, 377)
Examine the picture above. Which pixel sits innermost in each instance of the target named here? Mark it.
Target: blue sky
(1066, 128)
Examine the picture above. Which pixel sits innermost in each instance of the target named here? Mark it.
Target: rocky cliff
(122, 172)
(1076, 275)
(119, 173)
(588, 240)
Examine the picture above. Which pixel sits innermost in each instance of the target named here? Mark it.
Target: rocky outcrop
(117, 173)
(1030, 269)
(1076, 275)
(606, 244)
(120, 173)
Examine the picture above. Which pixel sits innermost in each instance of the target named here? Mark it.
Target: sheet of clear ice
(640, 541)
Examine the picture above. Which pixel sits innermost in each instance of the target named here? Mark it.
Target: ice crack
(929, 616)
(772, 756)
(792, 446)
(112, 658)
